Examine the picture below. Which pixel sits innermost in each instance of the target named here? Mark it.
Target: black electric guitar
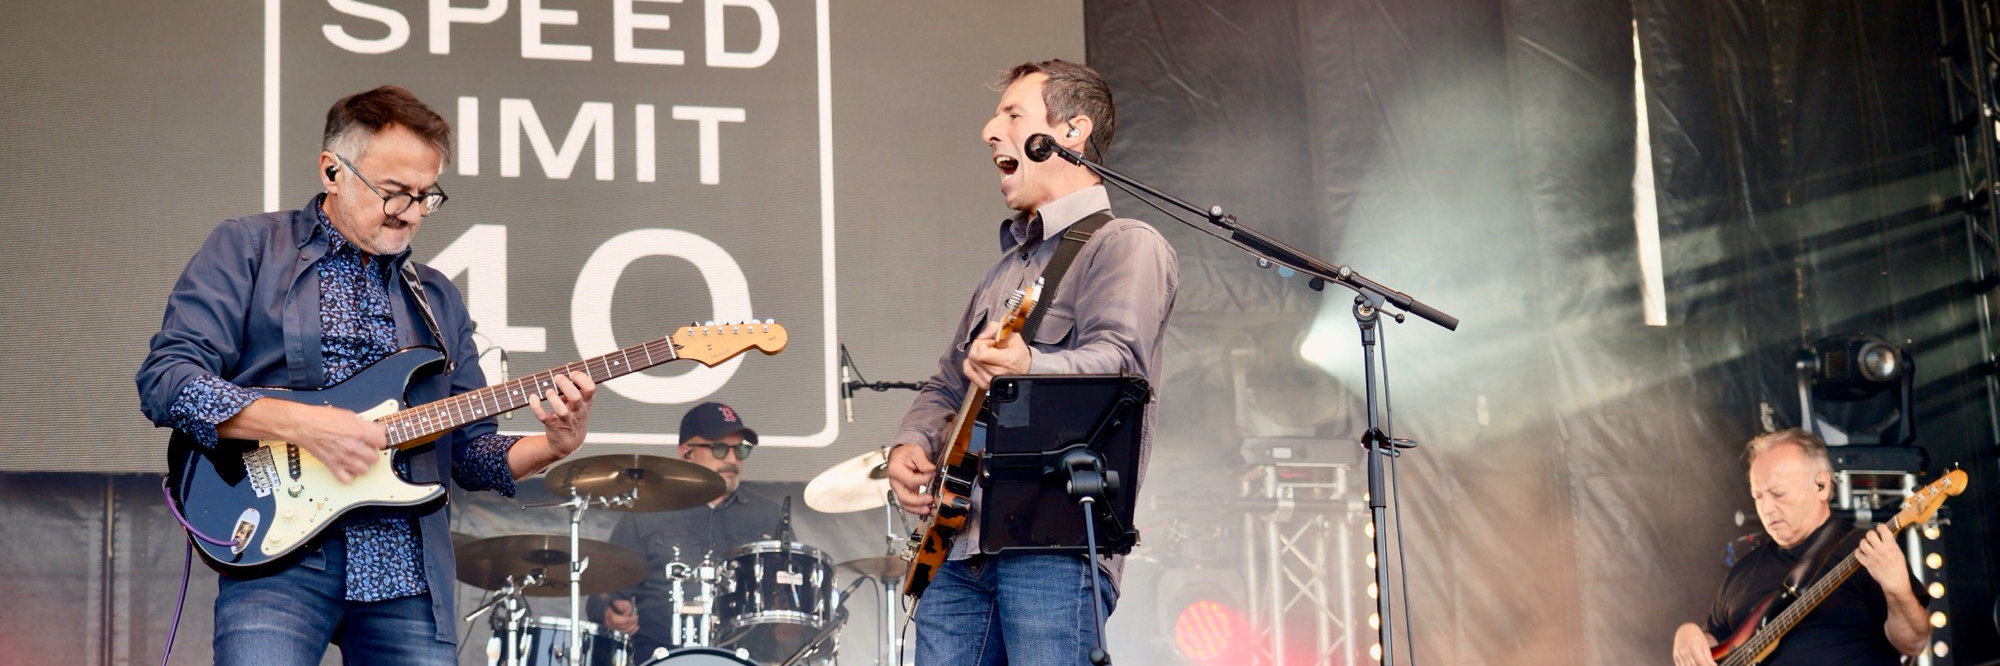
(1759, 635)
(264, 499)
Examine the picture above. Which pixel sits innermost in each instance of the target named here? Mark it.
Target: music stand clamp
(1027, 475)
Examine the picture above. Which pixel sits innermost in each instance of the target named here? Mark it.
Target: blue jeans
(288, 618)
(1033, 610)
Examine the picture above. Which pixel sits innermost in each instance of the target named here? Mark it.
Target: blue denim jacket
(246, 309)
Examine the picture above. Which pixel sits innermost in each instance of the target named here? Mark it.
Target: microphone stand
(1369, 301)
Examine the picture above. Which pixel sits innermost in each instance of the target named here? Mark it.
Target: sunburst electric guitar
(252, 503)
(1754, 641)
(958, 470)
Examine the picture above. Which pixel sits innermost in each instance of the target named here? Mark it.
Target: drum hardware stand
(506, 624)
(892, 640)
(691, 628)
(577, 504)
(832, 627)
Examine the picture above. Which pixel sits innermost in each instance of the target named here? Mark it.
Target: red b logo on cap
(728, 414)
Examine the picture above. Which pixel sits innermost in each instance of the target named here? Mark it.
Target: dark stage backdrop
(1580, 469)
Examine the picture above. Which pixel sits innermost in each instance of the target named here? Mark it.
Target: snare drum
(776, 595)
(544, 641)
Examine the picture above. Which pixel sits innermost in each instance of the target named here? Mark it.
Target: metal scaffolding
(1301, 514)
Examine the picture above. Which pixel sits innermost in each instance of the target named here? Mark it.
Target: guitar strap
(416, 287)
(1073, 240)
(1815, 557)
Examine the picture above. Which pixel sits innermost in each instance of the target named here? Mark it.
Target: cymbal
(886, 567)
(856, 484)
(488, 562)
(655, 483)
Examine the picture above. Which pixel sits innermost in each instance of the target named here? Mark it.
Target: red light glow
(1206, 631)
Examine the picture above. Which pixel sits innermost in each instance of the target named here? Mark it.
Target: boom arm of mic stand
(1272, 249)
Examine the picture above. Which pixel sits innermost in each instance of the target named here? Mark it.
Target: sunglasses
(721, 449)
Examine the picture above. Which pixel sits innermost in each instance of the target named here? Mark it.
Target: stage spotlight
(1207, 615)
(1857, 389)
(1210, 632)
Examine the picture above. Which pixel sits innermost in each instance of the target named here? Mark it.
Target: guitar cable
(187, 568)
(1396, 495)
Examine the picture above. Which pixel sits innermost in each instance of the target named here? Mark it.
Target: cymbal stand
(892, 640)
(577, 504)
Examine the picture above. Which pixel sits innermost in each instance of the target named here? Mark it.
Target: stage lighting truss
(1871, 496)
(1300, 560)
(1864, 376)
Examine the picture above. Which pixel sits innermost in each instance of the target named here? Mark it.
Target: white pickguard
(316, 497)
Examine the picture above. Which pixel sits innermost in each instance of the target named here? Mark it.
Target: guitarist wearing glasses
(1108, 314)
(1870, 619)
(306, 300)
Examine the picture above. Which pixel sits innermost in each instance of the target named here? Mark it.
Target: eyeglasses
(395, 204)
(721, 450)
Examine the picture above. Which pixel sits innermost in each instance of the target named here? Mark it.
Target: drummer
(712, 435)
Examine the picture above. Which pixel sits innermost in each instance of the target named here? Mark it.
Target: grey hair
(1811, 444)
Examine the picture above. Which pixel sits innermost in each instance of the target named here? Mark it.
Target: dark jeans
(1033, 610)
(288, 618)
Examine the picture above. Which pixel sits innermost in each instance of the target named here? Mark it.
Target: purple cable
(169, 493)
(187, 568)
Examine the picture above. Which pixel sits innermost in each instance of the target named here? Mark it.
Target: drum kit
(764, 602)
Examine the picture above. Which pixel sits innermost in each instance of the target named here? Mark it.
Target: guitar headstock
(1023, 304)
(1920, 507)
(712, 343)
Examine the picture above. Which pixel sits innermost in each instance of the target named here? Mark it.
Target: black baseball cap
(714, 420)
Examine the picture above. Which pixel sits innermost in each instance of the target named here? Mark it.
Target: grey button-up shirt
(1110, 313)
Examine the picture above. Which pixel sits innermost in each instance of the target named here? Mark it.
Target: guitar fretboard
(1805, 604)
(417, 423)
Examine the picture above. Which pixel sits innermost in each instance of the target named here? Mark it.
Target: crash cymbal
(654, 483)
(856, 484)
(488, 562)
(886, 567)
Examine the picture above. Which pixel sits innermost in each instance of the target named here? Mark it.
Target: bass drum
(700, 656)
(776, 595)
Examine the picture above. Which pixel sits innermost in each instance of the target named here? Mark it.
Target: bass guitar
(958, 470)
(1754, 641)
(249, 504)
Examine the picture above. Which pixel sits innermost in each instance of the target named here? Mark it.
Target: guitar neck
(419, 424)
(1799, 609)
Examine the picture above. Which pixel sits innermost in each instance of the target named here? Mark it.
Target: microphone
(785, 521)
(851, 587)
(846, 384)
(1041, 146)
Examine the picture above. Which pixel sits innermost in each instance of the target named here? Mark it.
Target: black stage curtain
(1581, 468)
